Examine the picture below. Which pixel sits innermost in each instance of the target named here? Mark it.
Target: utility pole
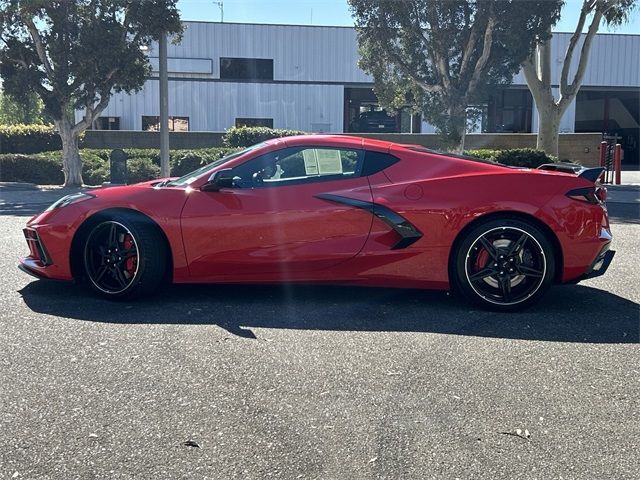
(164, 107)
(221, 5)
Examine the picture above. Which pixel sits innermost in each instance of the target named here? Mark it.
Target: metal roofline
(352, 27)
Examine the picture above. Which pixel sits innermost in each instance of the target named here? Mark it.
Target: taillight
(594, 195)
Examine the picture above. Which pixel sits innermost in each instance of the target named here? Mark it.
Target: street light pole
(164, 107)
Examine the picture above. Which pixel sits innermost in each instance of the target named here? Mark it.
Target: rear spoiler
(590, 174)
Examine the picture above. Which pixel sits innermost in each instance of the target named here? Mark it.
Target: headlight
(69, 199)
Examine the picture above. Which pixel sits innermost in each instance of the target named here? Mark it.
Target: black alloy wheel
(505, 264)
(124, 257)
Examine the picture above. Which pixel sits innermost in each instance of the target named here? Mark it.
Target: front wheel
(124, 257)
(504, 264)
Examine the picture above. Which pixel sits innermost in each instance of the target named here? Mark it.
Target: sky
(335, 12)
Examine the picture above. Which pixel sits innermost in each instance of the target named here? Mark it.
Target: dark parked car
(373, 122)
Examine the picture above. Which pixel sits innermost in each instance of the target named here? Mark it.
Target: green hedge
(28, 139)
(143, 164)
(41, 169)
(247, 136)
(181, 161)
(515, 157)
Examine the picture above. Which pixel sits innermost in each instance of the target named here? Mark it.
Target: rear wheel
(124, 257)
(504, 264)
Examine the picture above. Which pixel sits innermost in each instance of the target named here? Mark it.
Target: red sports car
(334, 209)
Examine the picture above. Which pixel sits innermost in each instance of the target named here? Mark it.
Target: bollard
(617, 162)
(118, 167)
(603, 154)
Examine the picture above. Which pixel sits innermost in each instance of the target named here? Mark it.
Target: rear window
(454, 155)
(375, 162)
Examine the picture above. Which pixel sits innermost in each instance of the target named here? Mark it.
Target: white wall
(214, 106)
(316, 62)
(300, 53)
(614, 60)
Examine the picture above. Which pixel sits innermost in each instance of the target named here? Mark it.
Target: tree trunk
(537, 71)
(548, 128)
(459, 146)
(457, 126)
(71, 161)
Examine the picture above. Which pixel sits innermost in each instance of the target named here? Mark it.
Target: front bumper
(36, 247)
(44, 261)
(29, 266)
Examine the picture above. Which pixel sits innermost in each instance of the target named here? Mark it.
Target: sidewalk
(623, 194)
(28, 198)
(628, 192)
(630, 177)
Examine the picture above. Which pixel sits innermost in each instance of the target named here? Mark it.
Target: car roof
(347, 141)
(375, 112)
(351, 141)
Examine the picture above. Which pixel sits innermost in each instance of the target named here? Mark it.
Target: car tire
(504, 264)
(124, 257)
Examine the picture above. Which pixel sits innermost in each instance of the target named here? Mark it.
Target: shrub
(95, 169)
(524, 157)
(142, 165)
(181, 159)
(40, 169)
(516, 157)
(46, 168)
(26, 139)
(103, 154)
(141, 170)
(247, 136)
(483, 153)
(185, 163)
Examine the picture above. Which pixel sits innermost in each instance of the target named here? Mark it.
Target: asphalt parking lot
(317, 382)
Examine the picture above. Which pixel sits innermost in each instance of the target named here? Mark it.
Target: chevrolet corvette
(334, 210)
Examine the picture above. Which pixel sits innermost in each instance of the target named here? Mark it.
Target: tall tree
(444, 55)
(74, 53)
(537, 68)
(27, 110)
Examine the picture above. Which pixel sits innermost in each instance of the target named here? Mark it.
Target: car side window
(296, 165)
(375, 162)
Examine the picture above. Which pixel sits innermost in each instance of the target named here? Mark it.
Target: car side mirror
(220, 179)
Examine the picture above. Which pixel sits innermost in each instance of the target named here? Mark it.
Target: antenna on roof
(221, 5)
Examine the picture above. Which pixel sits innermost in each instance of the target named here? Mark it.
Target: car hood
(143, 197)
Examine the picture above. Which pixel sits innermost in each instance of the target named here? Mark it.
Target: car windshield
(192, 176)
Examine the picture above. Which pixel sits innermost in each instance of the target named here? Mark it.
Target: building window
(254, 122)
(509, 111)
(363, 114)
(106, 123)
(151, 123)
(246, 68)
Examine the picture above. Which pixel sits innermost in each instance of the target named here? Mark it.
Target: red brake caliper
(481, 260)
(132, 262)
